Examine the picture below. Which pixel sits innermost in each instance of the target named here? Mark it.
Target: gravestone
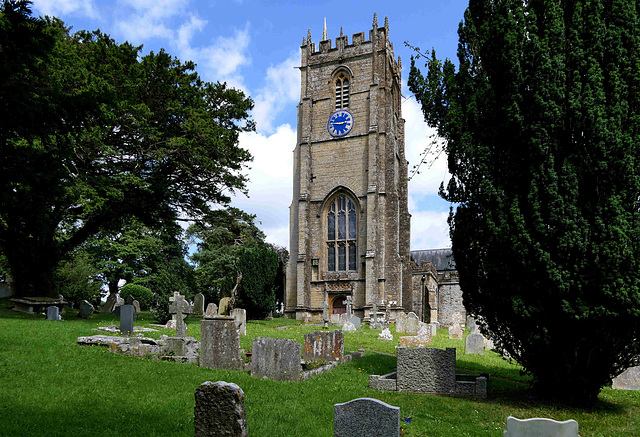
(181, 309)
(427, 370)
(86, 309)
(628, 380)
(401, 320)
(348, 324)
(471, 325)
(240, 316)
(126, 319)
(540, 427)
(198, 305)
(474, 344)
(223, 307)
(422, 338)
(219, 410)
(129, 300)
(412, 323)
(212, 310)
(136, 305)
(455, 331)
(366, 417)
(323, 345)
(385, 335)
(220, 344)
(276, 358)
(325, 314)
(434, 329)
(52, 313)
(357, 322)
(110, 304)
(116, 311)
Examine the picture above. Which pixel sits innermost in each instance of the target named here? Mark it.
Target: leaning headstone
(366, 417)
(198, 305)
(323, 345)
(129, 300)
(401, 320)
(276, 358)
(240, 316)
(628, 380)
(219, 410)
(126, 319)
(539, 427)
(136, 305)
(181, 309)
(212, 310)
(110, 304)
(86, 309)
(52, 313)
(474, 344)
(412, 323)
(455, 331)
(223, 307)
(220, 344)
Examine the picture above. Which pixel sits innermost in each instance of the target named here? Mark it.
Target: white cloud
(63, 7)
(281, 90)
(149, 19)
(220, 61)
(429, 230)
(271, 181)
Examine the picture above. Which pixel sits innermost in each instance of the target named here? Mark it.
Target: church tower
(349, 222)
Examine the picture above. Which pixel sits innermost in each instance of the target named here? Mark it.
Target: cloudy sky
(255, 46)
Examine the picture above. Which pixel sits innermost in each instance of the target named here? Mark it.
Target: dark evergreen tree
(91, 132)
(542, 129)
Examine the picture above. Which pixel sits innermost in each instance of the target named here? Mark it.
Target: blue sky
(255, 46)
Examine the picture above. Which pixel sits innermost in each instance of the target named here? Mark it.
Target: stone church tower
(349, 222)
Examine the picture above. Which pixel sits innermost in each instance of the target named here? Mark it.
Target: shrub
(142, 294)
(160, 310)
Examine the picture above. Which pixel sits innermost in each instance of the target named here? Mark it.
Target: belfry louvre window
(342, 91)
(341, 235)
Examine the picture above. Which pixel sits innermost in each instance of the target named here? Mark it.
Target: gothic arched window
(341, 235)
(342, 91)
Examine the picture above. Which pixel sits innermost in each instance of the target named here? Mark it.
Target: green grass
(51, 386)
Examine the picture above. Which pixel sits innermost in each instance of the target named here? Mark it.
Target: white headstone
(540, 427)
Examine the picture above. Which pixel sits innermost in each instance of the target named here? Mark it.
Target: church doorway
(338, 306)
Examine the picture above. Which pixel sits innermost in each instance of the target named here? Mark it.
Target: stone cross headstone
(126, 319)
(220, 344)
(364, 417)
(412, 324)
(538, 427)
(52, 313)
(276, 358)
(325, 314)
(86, 309)
(349, 304)
(474, 344)
(181, 308)
(219, 410)
(198, 305)
(212, 310)
(240, 316)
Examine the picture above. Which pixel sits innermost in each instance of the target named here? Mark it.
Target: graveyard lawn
(52, 386)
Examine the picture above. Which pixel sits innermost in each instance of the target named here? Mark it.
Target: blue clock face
(340, 123)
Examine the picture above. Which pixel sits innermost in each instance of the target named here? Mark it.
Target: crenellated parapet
(327, 50)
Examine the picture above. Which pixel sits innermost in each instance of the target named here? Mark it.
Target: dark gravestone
(86, 309)
(116, 311)
(126, 319)
(219, 410)
(323, 345)
(365, 417)
(276, 358)
(110, 304)
(52, 313)
(220, 344)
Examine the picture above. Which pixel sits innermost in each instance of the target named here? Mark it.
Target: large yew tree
(91, 131)
(542, 129)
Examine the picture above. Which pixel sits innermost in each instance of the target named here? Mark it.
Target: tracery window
(341, 235)
(342, 91)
